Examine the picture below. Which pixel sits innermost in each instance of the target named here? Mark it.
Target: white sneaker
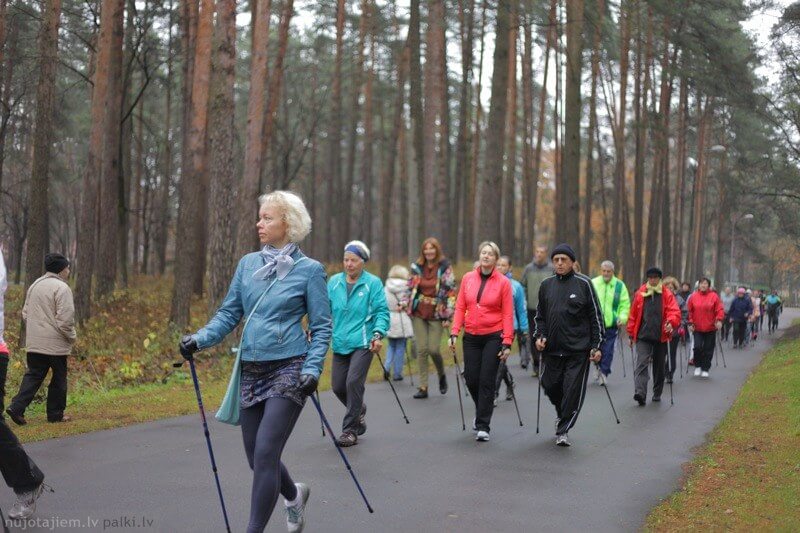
(482, 436)
(295, 514)
(704, 374)
(597, 375)
(602, 379)
(698, 371)
(562, 440)
(25, 505)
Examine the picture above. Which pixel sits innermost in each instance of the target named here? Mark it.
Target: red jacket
(495, 311)
(670, 312)
(705, 308)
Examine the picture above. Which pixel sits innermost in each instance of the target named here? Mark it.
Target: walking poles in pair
(208, 438)
(669, 373)
(622, 351)
(597, 365)
(339, 449)
(393, 390)
(458, 387)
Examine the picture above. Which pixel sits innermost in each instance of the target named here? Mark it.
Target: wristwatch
(377, 336)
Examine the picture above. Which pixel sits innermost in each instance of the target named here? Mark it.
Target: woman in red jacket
(485, 309)
(705, 319)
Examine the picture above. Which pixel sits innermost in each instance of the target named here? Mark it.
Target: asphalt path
(427, 476)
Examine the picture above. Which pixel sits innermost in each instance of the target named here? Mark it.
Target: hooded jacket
(705, 308)
(397, 293)
(670, 312)
(520, 311)
(494, 312)
(568, 315)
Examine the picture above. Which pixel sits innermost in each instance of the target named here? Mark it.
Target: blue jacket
(740, 309)
(357, 318)
(520, 305)
(275, 330)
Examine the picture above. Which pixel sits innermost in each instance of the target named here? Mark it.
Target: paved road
(426, 476)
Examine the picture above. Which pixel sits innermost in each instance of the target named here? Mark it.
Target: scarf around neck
(275, 260)
(650, 290)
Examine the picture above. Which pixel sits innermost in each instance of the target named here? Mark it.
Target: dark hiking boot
(347, 439)
(443, 384)
(421, 393)
(18, 419)
(639, 399)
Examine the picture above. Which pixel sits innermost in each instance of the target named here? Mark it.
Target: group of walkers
(292, 315)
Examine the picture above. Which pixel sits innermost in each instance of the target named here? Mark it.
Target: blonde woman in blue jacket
(360, 321)
(277, 365)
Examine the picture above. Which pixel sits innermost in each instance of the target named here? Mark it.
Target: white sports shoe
(482, 436)
(295, 514)
(697, 372)
(704, 374)
(25, 505)
(562, 440)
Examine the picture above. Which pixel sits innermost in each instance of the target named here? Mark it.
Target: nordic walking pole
(722, 352)
(669, 372)
(393, 390)
(514, 394)
(408, 361)
(458, 387)
(208, 437)
(622, 351)
(339, 449)
(609, 398)
(320, 423)
(539, 393)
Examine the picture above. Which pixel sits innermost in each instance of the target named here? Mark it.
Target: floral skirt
(271, 379)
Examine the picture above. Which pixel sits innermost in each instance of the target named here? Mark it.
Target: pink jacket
(495, 312)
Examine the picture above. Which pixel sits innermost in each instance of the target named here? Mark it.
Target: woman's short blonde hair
(298, 221)
(399, 272)
(492, 245)
(672, 283)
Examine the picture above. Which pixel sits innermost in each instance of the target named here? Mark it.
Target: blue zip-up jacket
(275, 330)
(741, 308)
(520, 304)
(357, 318)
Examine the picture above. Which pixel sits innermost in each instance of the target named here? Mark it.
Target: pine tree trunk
(680, 187)
(508, 200)
(162, 196)
(466, 17)
(619, 173)
(529, 188)
(418, 137)
(586, 247)
(222, 224)
(188, 247)
(570, 207)
(489, 219)
(367, 156)
(87, 235)
(332, 233)
(473, 185)
(246, 236)
(42, 141)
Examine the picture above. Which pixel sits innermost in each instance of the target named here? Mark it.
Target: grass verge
(747, 477)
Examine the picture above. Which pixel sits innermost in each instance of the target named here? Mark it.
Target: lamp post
(747, 216)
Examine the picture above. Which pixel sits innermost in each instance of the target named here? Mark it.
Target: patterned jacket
(445, 289)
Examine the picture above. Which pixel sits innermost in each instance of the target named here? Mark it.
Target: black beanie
(653, 272)
(565, 249)
(55, 263)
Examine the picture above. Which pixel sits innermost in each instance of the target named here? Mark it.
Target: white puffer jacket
(397, 292)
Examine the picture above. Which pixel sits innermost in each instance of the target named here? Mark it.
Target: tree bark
(568, 221)
(42, 141)
(508, 199)
(415, 104)
(254, 144)
(188, 248)
(222, 225)
(619, 139)
(162, 198)
(528, 186)
(489, 219)
(586, 247)
(473, 185)
(466, 17)
(332, 232)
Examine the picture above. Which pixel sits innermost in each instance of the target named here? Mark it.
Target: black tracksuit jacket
(568, 315)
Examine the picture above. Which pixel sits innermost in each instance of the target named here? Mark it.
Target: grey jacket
(49, 316)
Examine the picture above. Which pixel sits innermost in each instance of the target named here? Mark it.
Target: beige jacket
(49, 316)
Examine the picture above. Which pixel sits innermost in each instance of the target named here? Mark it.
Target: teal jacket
(520, 307)
(357, 318)
(276, 328)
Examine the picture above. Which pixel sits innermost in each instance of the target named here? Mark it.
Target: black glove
(308, 384)
(506, 347)
(188, 346)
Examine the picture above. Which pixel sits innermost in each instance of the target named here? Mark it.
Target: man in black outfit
(568, 332)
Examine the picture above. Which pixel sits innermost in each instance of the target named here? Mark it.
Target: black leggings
(480, 370)
(266, 427)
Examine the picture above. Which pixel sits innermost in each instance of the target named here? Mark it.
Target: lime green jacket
(614, 300)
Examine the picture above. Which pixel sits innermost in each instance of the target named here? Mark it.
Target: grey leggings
(266, 427)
